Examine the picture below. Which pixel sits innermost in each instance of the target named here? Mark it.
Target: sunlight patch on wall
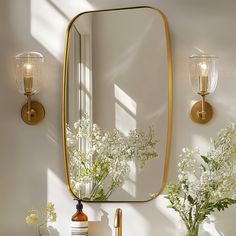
(125, 99)
(72, 7)
(52, 181)
(48, 27)
(57, 193)
(125, 111)
(86, 75)
(124, 121)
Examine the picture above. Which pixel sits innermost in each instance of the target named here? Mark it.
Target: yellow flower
(31, 219)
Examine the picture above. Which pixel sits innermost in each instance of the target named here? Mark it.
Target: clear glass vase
(44, 231)
(193, 231)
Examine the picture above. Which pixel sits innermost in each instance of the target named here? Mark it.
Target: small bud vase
(44, 231)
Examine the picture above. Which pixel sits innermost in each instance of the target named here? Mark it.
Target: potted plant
(41, 217)
(205, 182)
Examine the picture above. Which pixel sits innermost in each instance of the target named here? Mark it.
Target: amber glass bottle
(79, 222)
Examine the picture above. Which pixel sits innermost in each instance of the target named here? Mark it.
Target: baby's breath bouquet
(205, 182)
(40, 217)
(101, 158)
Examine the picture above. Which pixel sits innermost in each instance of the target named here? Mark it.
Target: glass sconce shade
(203, 73)
(28, 72)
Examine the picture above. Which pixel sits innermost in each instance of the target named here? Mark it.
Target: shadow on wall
(100, 228)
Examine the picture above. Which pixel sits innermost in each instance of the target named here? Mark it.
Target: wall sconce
(203, 77)
(28, 72)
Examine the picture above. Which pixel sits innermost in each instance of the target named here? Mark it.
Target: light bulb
(203, 68)
(27, 70)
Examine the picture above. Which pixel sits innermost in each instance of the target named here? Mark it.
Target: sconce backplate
(196, 113)
(37, 113)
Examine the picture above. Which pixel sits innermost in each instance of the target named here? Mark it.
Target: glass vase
(193, 231)
(44, 231)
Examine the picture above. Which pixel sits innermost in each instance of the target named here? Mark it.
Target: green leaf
(99, 195)
(205, 159)
(224, 203)
(190, 199)
(204, 168)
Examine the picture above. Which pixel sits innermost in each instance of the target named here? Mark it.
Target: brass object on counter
(118, 222)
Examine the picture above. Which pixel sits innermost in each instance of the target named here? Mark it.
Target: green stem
(190, 215)
(96, 186)
(109, 192)
(39, 226)
(183, 216)
(193, 230)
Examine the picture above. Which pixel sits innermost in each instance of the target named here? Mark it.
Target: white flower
(95, 154)
(204, 181)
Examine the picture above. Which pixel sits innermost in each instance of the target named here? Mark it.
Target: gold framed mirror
(117, 104)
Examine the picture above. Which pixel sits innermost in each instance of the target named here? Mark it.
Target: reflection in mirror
(117, 104)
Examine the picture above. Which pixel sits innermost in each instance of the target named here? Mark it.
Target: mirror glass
(117, 104)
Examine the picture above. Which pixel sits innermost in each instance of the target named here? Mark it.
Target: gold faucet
(118, 222)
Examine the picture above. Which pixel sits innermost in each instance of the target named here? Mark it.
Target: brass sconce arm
(202, 111)
(29, 111)
(32, 112)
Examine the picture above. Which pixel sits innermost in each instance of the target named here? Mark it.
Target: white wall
(31, 160)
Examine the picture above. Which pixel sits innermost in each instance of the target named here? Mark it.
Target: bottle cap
(79, 206)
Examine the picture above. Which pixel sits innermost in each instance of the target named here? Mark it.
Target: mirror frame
(170, 103)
